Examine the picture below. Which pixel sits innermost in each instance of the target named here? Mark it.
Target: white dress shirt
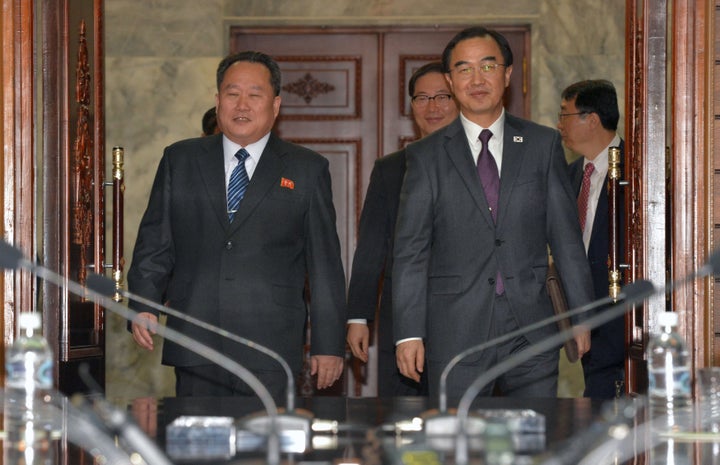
(597, 184)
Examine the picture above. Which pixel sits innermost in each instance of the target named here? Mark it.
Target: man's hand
(143, 327)
(358, 338)
(328, 369)
(410, 356)
(581, 334)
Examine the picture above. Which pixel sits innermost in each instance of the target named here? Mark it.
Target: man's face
(574, 126)
(479, 88)
(246, 104)
(433, 106)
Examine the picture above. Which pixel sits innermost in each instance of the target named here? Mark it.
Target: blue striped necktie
(238, 184)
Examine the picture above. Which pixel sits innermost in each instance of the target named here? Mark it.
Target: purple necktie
(490, 179)
(488, 172)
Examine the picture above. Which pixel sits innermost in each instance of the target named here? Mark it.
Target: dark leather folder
(557, 296)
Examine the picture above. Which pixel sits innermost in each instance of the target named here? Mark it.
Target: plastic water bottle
(669, 389)
(31, 421)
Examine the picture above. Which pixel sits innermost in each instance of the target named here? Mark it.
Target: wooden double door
(345, 95)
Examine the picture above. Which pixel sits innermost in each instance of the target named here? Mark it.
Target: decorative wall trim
(321, 88)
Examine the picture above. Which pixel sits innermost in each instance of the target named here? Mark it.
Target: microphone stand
(11, 258)
(291, 421)
(443, 422)
(118, 421)
(505, 337)
(634, 292)
(642, 290)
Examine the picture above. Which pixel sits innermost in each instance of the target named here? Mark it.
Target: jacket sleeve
(371, 251)
(328, 311)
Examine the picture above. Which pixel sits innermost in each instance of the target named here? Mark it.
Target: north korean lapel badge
(287, 183)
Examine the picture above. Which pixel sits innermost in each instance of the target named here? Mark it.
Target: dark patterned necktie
(490, 179)
(238, 184)
(584, 194)
(488, 172)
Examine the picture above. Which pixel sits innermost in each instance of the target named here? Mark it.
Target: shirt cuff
(407, 339)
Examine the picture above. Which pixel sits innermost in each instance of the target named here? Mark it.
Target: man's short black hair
(252, 57)
(477, 31)
(432, 67)
(595, 96)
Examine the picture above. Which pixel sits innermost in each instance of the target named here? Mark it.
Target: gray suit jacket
(247, 277)
(448, 250)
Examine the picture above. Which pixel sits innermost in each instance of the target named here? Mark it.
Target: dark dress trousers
(372, 270)
(247, 277)
(448, 250)
(604, 364)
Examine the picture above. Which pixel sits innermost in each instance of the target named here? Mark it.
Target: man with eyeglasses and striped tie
(588, 121)
(235, 224)
(482, 201)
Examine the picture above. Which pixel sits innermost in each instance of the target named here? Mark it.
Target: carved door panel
(73, 184)
(344, 94)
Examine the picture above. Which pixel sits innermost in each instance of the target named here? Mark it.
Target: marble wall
(160, 59)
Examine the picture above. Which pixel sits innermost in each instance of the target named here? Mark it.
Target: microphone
(442, 389)
(12, 258)
(443, 423)
(633, 293)
(83, 430)
(292, 425)
(614, 424)
(118, 422)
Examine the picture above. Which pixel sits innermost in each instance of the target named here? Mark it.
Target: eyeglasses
(465, 71)
(439, 99)
(562, 115)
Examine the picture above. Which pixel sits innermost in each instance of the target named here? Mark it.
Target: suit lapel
(458, 150)
(512, 157)
(211, 167)
(266, 174)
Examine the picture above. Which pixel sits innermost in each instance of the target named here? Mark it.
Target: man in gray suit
(481, 202)
(234, 225)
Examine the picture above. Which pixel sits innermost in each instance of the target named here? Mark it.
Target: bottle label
(16, 376)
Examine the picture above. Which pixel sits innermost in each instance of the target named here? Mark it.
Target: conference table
(382, 431)
(373, 431)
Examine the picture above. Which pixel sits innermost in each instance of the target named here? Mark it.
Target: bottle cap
(29, 320)
(668, 319)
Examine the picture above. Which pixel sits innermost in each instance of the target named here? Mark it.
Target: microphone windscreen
(10, 256)
(100, 284)
(637, 289)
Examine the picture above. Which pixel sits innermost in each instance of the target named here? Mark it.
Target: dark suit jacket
(247, 277)
(448, 250)
(608, 341)
(373, 255)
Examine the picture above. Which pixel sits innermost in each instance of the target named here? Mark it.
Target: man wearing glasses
(482, 201)
(588, 122)
(433, 107)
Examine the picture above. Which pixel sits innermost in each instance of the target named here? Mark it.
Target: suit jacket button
(228, 245)
(491, 281)
(498, 242)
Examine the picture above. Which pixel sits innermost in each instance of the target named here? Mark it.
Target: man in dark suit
(433, 107)
(234, 225)
(471, 256)
(588, 122)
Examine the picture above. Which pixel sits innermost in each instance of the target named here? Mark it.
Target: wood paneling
(73, 190)
(18, 155)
